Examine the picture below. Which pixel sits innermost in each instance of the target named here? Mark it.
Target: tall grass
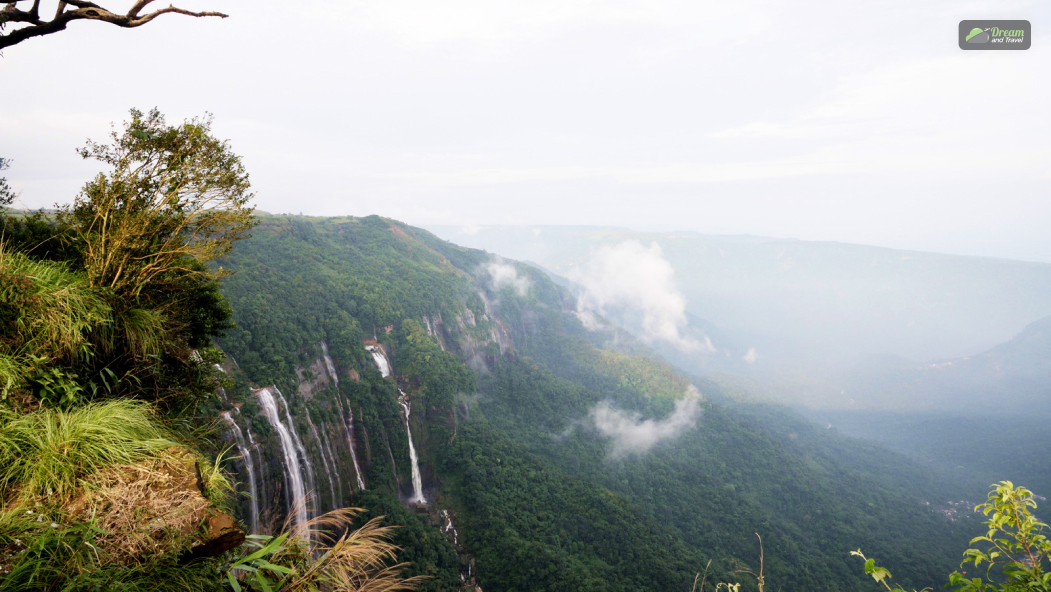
(50, 308)
(67, 560)
(47, 451)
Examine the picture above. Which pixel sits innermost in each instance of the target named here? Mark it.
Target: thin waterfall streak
(293, 474)
(324, 460)
(330, 368)
(260, 466)
(417, 480)
(335, 469)
(246, 460)
(348, 425)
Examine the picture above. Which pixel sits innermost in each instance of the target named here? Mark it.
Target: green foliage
(265, 575)
(1016, 544)
(423, 547)
(67, 560)
(117, 284)
(7, 195)
(880, 574)
(340, 281)
(46, 452)
(175, 195)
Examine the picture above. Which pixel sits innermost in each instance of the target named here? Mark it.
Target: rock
(220, 534)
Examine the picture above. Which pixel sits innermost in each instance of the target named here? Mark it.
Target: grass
(67, 560)
(46, 452)
(51, 308)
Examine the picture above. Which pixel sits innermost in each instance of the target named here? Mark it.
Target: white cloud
(503, 274)
(639, 281)
(751, 357)
(633, 435)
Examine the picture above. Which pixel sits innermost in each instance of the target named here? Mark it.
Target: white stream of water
(310, 481)
(297, 497)
(324, 460)
(257, 463)
(348, 425)
(381, 360)
(246, 458)
(417, 480)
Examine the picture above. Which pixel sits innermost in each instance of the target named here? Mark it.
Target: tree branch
(82, 11)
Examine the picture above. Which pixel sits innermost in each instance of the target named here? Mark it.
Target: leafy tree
(7, 195)
(135, 244)
(74, 10)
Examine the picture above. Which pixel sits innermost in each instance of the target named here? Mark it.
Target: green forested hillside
(503, 379)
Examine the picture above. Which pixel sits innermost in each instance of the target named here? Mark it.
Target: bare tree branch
(72, 10)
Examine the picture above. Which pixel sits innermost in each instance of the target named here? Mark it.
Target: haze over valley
(568, 296)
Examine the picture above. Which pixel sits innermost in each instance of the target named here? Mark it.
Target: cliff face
(457, 394)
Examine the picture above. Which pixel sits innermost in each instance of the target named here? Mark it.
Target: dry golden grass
(147, 508)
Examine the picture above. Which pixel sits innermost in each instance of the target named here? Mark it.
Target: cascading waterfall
(381, 360)
(310, 482)
(246, 459)
(324, 460)
(417, 480)
(348, 426)
(293, 474)
(448, 527)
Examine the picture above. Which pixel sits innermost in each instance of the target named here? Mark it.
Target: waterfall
(261, 464)
(297, 497)
(417, 481)
(447, 526)
(348, 425)
(310, 482)
(246, 459)
(335, 468)
(324, 460)
(380, 358)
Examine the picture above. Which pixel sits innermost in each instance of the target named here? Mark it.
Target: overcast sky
(848, 121)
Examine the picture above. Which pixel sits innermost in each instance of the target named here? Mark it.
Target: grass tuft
(46, 452)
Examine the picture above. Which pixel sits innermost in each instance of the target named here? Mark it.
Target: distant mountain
(1011, 378)
(822, 300)
(821, 323)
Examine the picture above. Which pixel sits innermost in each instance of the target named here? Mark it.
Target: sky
(818, 120)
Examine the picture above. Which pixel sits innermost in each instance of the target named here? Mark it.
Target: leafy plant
(1016, 543)
(880, 574)
(256, 563)
(318, 558)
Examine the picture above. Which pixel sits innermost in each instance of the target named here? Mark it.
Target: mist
(639, 280)
(503, 274)
(630, 434)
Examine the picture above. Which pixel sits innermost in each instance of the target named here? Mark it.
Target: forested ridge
(502, 381)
